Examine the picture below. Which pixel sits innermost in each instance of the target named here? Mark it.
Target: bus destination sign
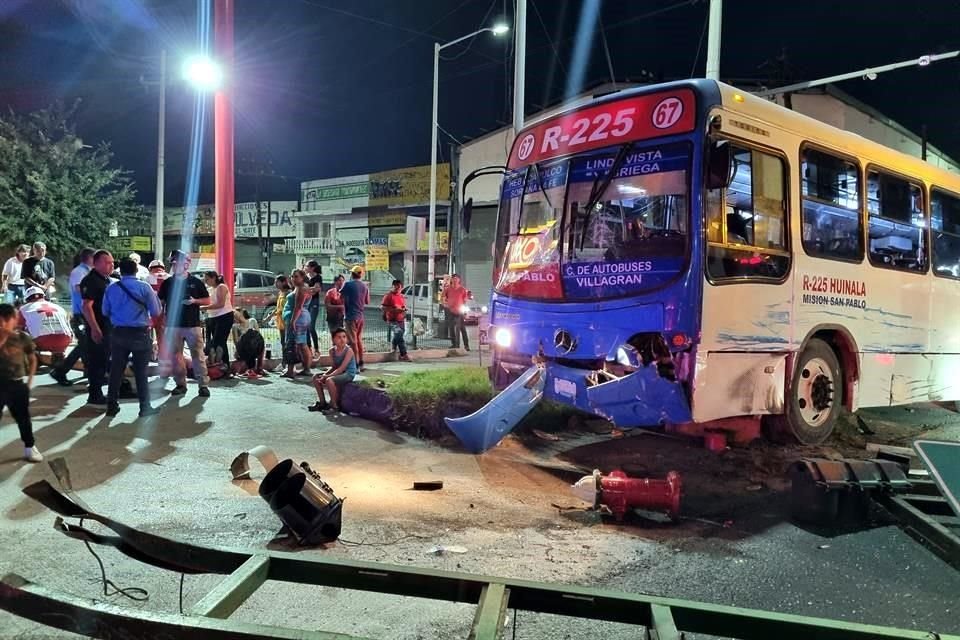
(649, 116)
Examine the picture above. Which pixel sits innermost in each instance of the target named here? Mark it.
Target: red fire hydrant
(621, 493)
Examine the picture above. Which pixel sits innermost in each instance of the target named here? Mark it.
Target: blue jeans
(396, 337)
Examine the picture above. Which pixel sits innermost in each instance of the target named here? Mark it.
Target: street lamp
(497, 30)
(202, 73)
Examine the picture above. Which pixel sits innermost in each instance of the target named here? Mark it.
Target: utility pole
(713, 39)
(161, 161)
(453, 220)
(519, 64)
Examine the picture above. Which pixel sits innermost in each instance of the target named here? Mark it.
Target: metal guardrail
(660, 618)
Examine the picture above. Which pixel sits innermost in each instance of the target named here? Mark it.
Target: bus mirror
(466, 213)
(718, 165)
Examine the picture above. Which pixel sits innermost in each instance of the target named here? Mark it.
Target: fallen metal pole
(668, 618)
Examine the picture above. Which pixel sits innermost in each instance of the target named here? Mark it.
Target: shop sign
(408, 186)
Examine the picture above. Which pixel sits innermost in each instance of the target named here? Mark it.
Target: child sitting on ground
(342, 371)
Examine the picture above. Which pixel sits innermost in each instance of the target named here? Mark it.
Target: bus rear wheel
(815, 397)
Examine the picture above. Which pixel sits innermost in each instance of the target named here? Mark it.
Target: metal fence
(376, 333)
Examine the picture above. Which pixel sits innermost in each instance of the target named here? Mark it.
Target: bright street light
(203, 73)
(497, 30)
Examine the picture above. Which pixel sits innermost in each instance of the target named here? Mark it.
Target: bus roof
(710, 93)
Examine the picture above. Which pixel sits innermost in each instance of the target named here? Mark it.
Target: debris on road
(428, 485)
(543, 435)
(440, 549)
(620, 493)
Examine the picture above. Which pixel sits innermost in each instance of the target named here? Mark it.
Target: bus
(687, 253)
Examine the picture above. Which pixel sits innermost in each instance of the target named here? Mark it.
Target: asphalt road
(169, 475)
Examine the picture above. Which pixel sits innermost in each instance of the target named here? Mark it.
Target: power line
(483, 21)
(703, 32)
(606, 48)
(556, 53)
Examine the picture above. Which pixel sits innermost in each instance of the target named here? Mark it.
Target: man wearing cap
(182, 296)
(84, 265)
(46, 322)
(130, 303)
(13, 273)
(356, 297)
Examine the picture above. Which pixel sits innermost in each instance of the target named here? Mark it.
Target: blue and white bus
(688, 253)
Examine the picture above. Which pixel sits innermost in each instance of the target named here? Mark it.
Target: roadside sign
(942, 460)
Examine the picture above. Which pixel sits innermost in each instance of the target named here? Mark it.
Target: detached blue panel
(641, 399)
(488, 425)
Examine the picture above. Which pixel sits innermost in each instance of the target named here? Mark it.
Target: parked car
(253, 288)
(472, 314)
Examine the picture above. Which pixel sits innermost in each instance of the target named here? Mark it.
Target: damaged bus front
(597, 255)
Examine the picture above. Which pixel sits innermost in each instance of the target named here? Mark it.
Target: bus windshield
(560, 236)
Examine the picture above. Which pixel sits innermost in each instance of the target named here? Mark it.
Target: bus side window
(945, 224)
(830, 221)
(896, 223)
(747, 221)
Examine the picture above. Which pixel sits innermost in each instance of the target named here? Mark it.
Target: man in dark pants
(130, 304)
(92, 288)
(84, 265)
(18, 360)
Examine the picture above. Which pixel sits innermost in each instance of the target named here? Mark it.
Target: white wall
(491, 149)
(835, 112)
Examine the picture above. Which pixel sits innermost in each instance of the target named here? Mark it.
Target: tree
(55, 189)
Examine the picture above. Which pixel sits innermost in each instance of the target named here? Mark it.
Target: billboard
(408, 186)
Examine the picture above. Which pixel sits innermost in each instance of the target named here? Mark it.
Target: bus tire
(815, 397)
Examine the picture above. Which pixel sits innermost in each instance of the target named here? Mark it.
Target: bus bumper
(640, 399)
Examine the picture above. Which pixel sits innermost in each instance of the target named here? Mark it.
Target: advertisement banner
(408, 186)
(203, 223)
(377, 259)
(352, 246)
(386, 218)
(279, 221)
(397, 243)
(132, 243)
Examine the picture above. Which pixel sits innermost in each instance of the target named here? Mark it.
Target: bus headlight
(483, 309)
(503, 337)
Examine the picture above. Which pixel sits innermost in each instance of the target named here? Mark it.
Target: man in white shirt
(12, 280)
(142, 272)
(46, 322)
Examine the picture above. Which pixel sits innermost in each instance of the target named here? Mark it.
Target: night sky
(336, 87)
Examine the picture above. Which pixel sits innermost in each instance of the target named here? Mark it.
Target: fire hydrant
(621, 493)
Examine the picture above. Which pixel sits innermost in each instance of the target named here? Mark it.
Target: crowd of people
(123, 316)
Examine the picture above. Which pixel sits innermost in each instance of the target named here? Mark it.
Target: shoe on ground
(318, 406)
(404, 358)
(113, 409)
(99, 401)
(262, 373)
(252, 375)
(179, 390)
(149, 411)
(60, 376)
(204, 392)
(466, 348)
(32, 454)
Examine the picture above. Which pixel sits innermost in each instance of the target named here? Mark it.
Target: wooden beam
(663, 625)
(227, 596)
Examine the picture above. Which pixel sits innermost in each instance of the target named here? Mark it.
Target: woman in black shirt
(315, 282)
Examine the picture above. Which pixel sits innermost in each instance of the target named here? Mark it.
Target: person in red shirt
(395, 313)
(455, 298)
(333, 302)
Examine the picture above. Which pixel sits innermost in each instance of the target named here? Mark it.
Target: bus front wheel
(815, 397)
